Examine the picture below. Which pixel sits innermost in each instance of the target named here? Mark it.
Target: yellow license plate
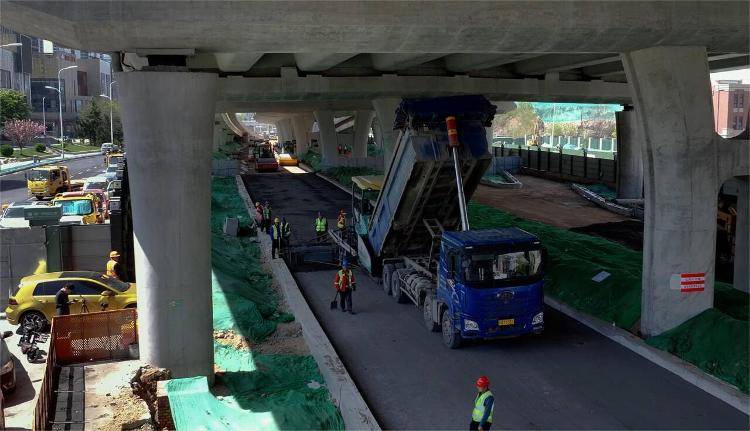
(507, 322)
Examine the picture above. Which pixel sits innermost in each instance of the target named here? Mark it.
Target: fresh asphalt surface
(569, 378)
(13, 186)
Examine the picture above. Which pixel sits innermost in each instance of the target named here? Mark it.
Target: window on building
(739, 99)
(38, 91)
(737, 123)
(5, 78)
(83, 84)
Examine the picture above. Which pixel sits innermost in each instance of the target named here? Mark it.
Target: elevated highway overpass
(184, 62)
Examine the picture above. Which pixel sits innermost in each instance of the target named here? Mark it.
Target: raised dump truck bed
(420, 183)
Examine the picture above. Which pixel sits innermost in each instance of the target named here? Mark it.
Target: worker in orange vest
(114, 269)
(341, 219)
(345, 284)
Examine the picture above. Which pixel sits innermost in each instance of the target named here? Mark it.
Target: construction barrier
(555, 164)
(44, 411)
(99, 336)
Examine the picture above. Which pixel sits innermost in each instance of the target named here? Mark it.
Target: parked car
(33, 301)
(110, 173)
(112, 186)
(13, 216)
(7, 366)
(107, 147)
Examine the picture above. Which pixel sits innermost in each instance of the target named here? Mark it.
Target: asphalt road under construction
(13, 186)
(568, 378)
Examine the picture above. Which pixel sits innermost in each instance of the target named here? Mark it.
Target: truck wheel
(451, 337)
(396, 291)
(39, 197)
(388, 269)
(429, 323)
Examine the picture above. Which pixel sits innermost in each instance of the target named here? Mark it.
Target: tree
(93, 122)
(13, 106)
(21, 132)
(519, 122)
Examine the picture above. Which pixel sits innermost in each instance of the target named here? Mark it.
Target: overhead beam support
(394, 62)
(316, 62)
(560, 62)
(469, 62)
(236, 61)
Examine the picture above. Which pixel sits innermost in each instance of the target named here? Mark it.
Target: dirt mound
(129, 413)
(144, 385)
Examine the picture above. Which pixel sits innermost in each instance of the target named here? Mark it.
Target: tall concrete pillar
(362, 126)
(168, 124)
(286, 126)
(302, 124)
(385, 110)
(328, 141)
(629, 157)
(742, 237)
(672, 96)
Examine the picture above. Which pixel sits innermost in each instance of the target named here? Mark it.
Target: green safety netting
(227, 150)
(311, 158)
(716, 340)
(265, 391)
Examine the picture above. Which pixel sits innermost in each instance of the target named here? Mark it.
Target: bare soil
(546, 201)
(129, 413)
(286, 340)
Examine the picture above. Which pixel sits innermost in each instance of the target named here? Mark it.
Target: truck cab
(490, 284)
(47, 181)
(79, 208)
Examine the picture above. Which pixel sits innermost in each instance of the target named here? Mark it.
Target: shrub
(40, 148)
(6, 150)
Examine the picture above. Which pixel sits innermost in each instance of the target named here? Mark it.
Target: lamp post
(44, 119)
(111, 120)
(59, 103)
(11, 44)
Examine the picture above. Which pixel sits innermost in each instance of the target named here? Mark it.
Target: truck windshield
(38, 175)
(265, 153)
(486, 268)
(76, 207)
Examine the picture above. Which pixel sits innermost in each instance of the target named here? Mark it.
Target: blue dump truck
(415, 235)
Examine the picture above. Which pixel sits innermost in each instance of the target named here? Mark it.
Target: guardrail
(80, 338)
(558, 165)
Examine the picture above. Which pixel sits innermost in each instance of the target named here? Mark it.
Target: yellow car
(33, 302)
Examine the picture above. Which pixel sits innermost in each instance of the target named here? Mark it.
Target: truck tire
(451, 337)
(396, 291)
(429, 323)
(388, 269)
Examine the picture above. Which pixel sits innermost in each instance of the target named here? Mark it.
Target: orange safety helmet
(483, 382)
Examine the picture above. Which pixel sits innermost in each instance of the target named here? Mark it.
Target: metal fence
(558, 165)
(99, 336)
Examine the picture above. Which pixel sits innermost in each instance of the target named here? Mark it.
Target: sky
(743, 74)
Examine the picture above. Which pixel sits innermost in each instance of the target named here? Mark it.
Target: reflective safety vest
(341, 221)
(111, 272)
(275, 231)
(344, 280)
(478, 413)
(321, 224)
(267, 213)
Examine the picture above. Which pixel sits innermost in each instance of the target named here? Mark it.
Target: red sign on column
(693, 282)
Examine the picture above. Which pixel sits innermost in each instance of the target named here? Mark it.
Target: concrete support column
(629, 157)
(286, 127)
(672, 96)
(168, 120)
(302, 124)
(362, 126)
(385, 110)
(328, 140)
(742, 238)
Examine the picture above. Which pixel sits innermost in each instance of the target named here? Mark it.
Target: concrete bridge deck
(569, 378)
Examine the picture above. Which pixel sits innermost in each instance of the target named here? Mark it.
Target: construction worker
(114, 269)
(321, 226)
(259, 220)
(276, 236)
(62, 302)
(341, 219)
(267, 213)
(286, 232)
(484, 405)
(345, 284)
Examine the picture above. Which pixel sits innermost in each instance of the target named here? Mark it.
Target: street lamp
(11, 44)
(111, 121)
(59, 102)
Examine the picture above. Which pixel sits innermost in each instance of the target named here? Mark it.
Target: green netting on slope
(574, 259)
(311, 158)
(227, 150)
(713, 341)
(344, 175)
(266, 391)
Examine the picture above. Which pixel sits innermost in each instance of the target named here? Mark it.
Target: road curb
(45, 163)
(685, 370)
(344, 393)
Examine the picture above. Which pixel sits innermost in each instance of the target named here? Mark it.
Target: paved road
(569, 378)
(13, 186)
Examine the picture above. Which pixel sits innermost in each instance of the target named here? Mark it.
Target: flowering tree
(21, 132)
